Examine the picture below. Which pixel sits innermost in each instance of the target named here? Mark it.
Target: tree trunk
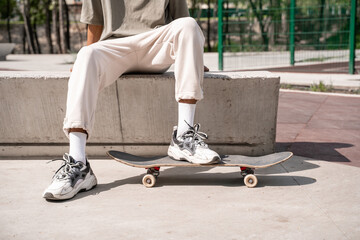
(67, 33)
(274, 27)
(78, 29)
(29, 34)
(8, 20)
(24, 39)
(321, 23)
(56, 26)
(193, 4)
(227, 37)
(208, 27)
(38, 48)
(241, 31)
(259, 16)
(61, 26)
(48, 25)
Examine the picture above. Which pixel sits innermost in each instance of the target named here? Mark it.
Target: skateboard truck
(154, 171)
(245, 171)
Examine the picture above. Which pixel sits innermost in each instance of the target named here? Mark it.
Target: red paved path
(323, 127)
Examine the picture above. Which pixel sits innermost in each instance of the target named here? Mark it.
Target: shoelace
(67, 169)
(195, 134)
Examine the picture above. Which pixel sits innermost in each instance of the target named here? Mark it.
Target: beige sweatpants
(97, 66)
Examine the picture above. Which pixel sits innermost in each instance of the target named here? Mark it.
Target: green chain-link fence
(264, 34)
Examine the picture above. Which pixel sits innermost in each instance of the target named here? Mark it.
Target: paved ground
(315, 195)
(320, 126)
(300, 199)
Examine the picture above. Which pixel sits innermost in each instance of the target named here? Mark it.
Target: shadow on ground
(202, 179)
(315, 150)
(275, 176)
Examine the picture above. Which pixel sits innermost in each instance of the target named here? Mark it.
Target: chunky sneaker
(191, 147)
(69, 179)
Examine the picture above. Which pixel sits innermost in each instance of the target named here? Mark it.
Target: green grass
(321, 87)
(317, 59)
(357, 91)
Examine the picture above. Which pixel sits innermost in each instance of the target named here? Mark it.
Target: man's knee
(188, 23)
(87, 51)
(189, 27)
(89, 56)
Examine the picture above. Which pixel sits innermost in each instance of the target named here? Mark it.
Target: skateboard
(246, 164)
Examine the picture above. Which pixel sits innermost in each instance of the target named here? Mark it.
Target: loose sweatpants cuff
(68, 125)
(189, 95)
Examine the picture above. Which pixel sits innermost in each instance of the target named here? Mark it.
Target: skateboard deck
(247, 164)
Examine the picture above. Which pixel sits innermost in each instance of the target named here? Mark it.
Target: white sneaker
(69, 179)
(191, 147)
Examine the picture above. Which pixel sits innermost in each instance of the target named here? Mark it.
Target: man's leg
(96, 67)
(187, 142)
(182, 43)
(188, 71)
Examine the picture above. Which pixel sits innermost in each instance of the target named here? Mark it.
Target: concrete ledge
(5, 49)
(136, 114)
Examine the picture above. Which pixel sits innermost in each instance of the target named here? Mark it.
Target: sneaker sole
(176, 157)
(81, 188)
(215, 160)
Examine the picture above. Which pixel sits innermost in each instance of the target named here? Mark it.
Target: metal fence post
(220, 34)
(352, 37)
(292, 32)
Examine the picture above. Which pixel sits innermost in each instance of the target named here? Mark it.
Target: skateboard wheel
(250, 180)
(149, 180)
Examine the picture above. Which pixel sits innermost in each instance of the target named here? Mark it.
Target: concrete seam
(309, 119)
(118, 102)
(320, 105)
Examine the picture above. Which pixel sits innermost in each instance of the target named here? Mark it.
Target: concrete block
(33, 107)
(136, 114)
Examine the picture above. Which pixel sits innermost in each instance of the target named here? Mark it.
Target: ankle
(77, 146)
(186, 113)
